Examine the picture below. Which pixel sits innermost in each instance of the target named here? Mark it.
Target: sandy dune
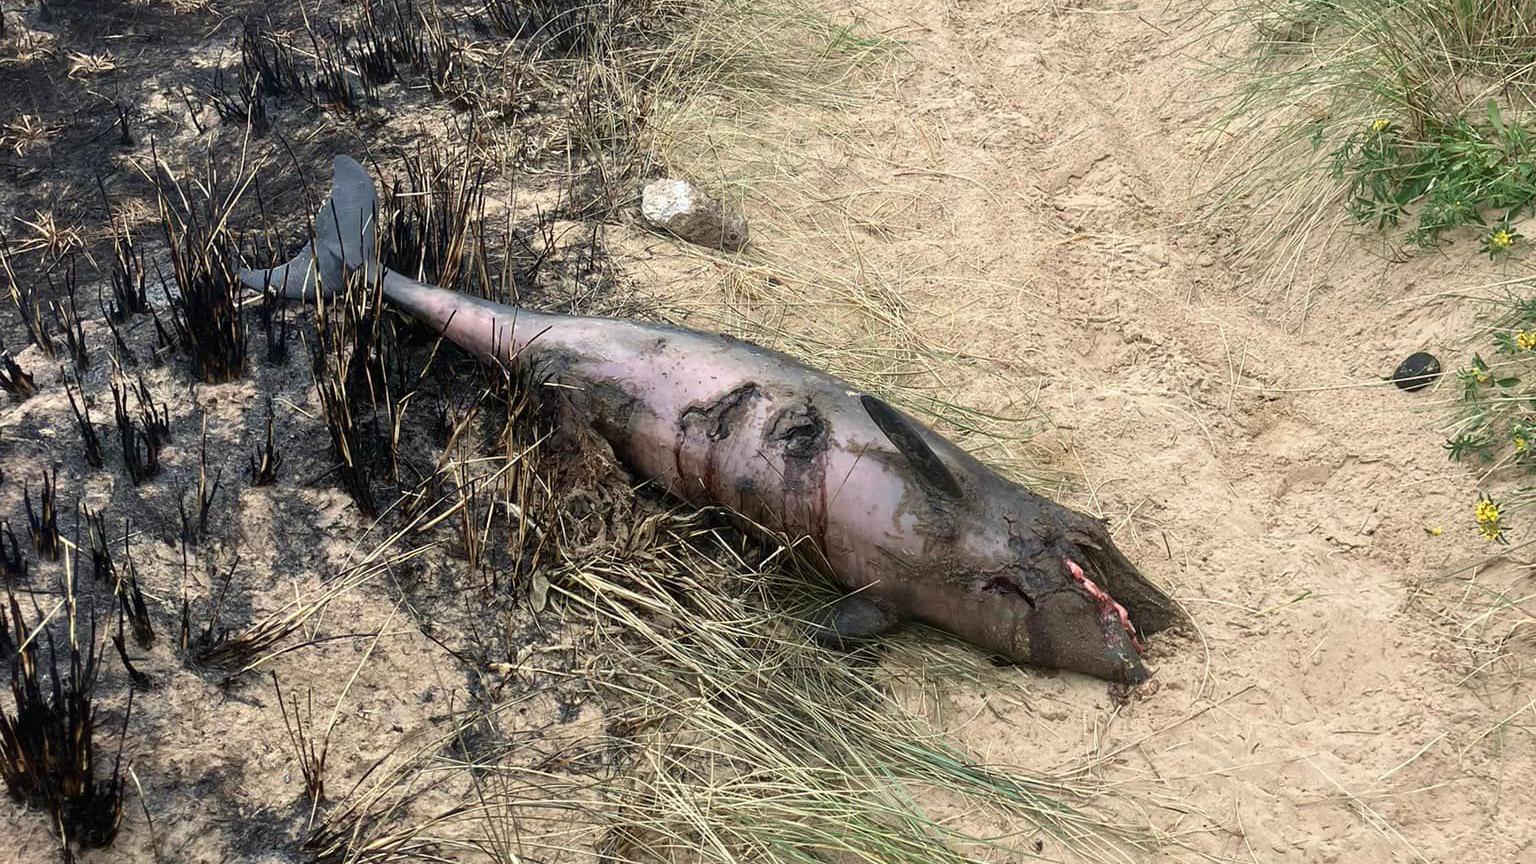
(1036, 168)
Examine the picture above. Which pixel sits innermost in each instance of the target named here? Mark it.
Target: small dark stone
(1417, 372)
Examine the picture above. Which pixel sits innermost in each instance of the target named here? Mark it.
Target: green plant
(1441, 177)
(1357, 111)
(1495, 422)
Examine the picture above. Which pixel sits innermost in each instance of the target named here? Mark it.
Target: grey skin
(912, 525)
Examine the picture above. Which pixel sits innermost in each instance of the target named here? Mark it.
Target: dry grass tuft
(726, 732)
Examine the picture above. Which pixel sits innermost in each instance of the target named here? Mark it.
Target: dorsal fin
(911, 444)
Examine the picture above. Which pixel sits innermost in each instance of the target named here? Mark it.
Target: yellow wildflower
(1489, 519)
(1525, 340)
(1501, 240)
(1380, 124)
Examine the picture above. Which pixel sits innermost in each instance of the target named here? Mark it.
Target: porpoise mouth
(1112, 615)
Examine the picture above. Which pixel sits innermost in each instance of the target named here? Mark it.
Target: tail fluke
(344, 239)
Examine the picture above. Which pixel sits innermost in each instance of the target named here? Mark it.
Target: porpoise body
(912, 525)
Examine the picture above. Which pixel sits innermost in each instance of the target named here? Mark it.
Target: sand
(1034, 173)
(1022, 183)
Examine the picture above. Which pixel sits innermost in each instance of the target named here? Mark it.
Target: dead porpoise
(912, 525)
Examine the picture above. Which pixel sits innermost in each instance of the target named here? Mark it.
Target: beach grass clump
(727, 734)
(1413, 119)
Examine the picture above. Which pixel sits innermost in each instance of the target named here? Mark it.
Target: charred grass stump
(130, 599)
(206, 307)
(67, 316)
(129, 296)
(350, 369)
(88, 437)
(267, 64)
(212, 646)
(276, 321)
(28, 303)
(266, 460)
(13, 563)
(48, 755)
(193, 531)
(102, 568)
(141, 447)
(14, 379)
(435, 228)
(43, 523)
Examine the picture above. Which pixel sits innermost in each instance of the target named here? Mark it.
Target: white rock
(681, 208)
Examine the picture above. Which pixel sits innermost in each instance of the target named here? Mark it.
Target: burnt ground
(116, 114)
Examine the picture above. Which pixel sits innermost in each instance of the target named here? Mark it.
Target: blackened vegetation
(13, 563)
(274, 317)
(558, 27)
(28, 302)
(268, 69)
(43, 522)
(271, 69)
(275, 324)
(342, 64)
(350, 371)
(419, 39)
(122, 355)
(126, 113)
(115, 312)
(213, 647)
(14, 379)
(67, 316)
(334, 85)
(393, 38)
(129, 297)
(311, 754)
(372, 50)
(48, 756)
(265, 462)
(139, 680)
(170, 340)
(102, 568)
(435, 228)
(195, 530)
(244, 105)
(88, 437)
(206, 307)
(267, 64)
(157, 418)
(130, 599)
(141, 447)
(574, 488)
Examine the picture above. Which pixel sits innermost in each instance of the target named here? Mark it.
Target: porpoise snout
(1068, 629)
